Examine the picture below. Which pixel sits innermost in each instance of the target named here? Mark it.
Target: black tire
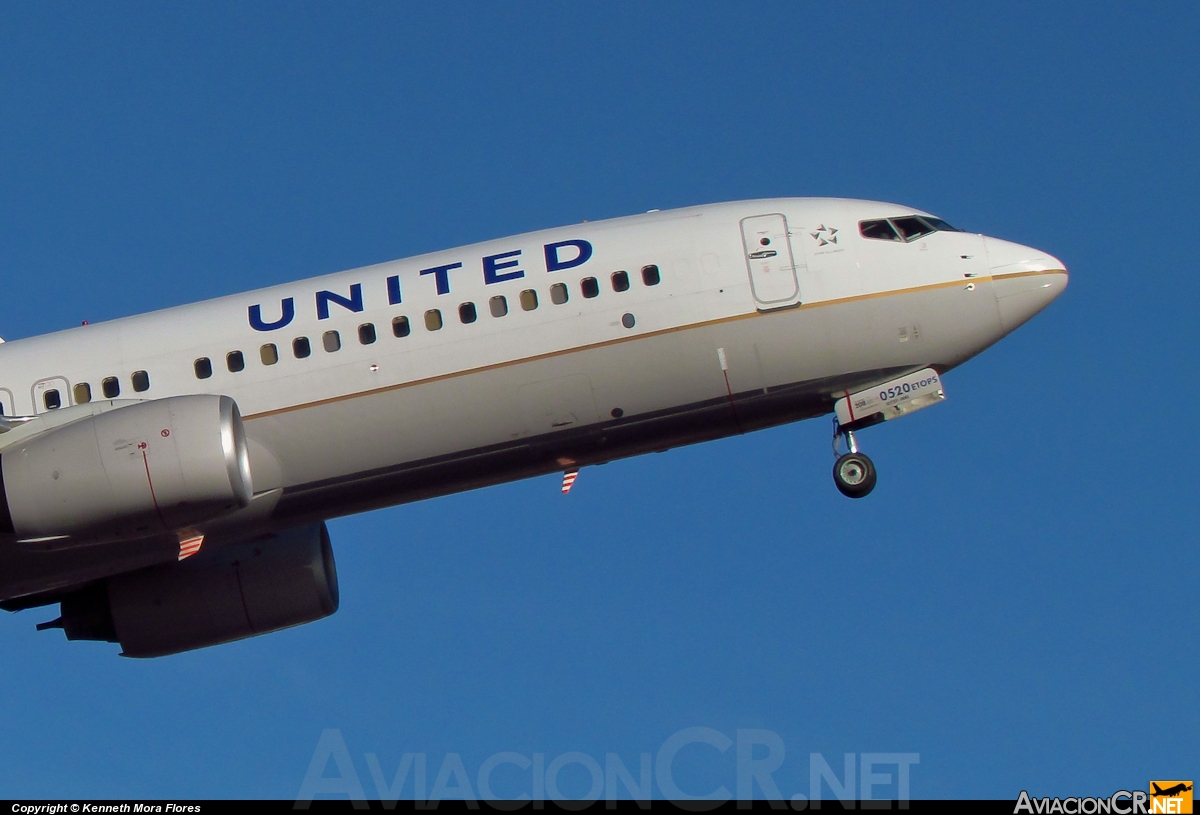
(854, 475)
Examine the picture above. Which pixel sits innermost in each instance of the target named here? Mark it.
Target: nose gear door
(769, 259)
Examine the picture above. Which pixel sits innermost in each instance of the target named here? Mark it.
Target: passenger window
(111, 387)
(529, 300)
(83, 393)
(269, 354)
(301, 347)
(400, 327)
(235, 361)
(203, 368)
(879, 230)
(366, 333)
(912, 228)
(558, 294)
(141, 381)
(498, 305)
(52, 399)
(433, 319)
(590, 286)
(467, 313)
(650, 275)
(620, 281)
(332, 341)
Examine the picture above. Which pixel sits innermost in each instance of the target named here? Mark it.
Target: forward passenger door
(770, 262)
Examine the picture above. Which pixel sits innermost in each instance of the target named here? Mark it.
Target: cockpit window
(904, 229)
(880, 230)
(912, 228)
(939, 224)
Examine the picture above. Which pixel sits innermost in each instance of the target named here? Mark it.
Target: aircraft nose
(1025, 280)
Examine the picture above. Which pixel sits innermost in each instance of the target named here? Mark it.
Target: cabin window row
(110, 387)
(528, 299)
(331, 341)
(268, 353)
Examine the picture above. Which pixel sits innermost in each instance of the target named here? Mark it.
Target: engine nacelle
(138, 470)
(265, 584)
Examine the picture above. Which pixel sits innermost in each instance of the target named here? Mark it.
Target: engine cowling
(265, 584)
(138, 470)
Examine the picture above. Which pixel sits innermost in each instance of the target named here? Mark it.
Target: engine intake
(138, 470)
(265, 584)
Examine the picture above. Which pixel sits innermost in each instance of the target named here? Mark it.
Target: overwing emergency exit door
(773, 273)
(50, 394)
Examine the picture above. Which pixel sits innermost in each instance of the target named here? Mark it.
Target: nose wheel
(853, 472)
(854, 475)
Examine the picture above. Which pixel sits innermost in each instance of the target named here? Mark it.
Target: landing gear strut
(853, 473)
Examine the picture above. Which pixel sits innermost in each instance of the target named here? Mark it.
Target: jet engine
(233, 592)
(138, 470)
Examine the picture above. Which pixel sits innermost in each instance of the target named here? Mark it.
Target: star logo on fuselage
(824, 235)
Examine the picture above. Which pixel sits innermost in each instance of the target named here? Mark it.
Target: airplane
(165, 478)
(1170, 791)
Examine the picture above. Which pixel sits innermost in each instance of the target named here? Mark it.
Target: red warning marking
(190, 546)
(569, 480)
(150, 482)
(165, 433)
(142, 445)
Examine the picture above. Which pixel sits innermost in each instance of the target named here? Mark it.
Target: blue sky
(1014, 603)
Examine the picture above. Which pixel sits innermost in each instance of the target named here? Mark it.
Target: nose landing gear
(853, 472)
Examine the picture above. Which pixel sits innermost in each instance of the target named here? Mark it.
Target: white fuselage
(713, 335)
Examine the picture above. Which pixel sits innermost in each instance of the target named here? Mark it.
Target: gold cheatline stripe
(605, 343)
(1028, 274)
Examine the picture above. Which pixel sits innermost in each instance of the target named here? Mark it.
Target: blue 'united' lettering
(556, 264)
(442, 275)
(287, 306)
(354, 302)
(497, 268)
(492, 265)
